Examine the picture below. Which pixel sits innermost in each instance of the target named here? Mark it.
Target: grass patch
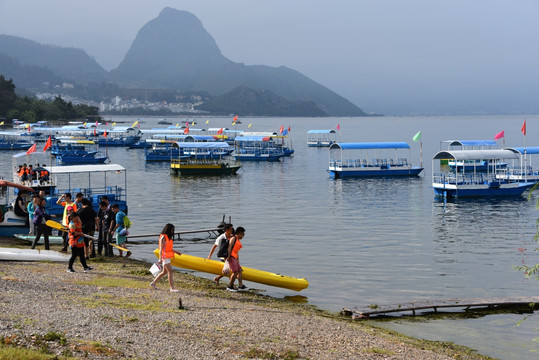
(107, 281)
(255, 353)
(98, 348)
(11, 352)
(380, 351)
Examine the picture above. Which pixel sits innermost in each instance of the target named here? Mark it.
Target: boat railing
(364, 163)
(466, 179)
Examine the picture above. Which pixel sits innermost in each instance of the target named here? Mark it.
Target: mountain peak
(173, 46)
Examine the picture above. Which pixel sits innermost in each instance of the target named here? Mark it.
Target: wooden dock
(527, 303)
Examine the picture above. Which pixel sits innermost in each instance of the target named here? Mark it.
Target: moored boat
(257, 148)
(204, 158)
(470, 183)
(370, 159)
(321, 138)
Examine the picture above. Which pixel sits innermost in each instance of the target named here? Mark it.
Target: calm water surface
(358, 241)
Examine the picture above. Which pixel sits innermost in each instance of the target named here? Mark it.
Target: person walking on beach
(234, 260)
(76, 242)
(87, 217)
(40, 217)
(221, 244)
(119, 228)
(166, 253)
(104, 219)
(66, 202)
(31, 207)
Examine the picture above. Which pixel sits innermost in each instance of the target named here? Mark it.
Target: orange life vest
(74, 240)
(236, 248)
(168, 253)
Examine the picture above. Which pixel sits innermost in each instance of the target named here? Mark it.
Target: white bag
(226, 269)
(156, 269)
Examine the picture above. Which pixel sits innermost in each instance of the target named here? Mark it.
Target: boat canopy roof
(10, 133)
(202, 145)
(370, 145)
(321, 132)
(252, 138)
(187, 137)
(72, 169)
(162, 131)
(74, 141)
(475, 154)
(522, 150)
(217, 129)
(259, 133)
(471, 142)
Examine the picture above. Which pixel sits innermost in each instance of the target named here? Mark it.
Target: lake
(358, 241)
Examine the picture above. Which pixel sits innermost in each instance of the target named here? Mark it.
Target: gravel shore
(111, 312)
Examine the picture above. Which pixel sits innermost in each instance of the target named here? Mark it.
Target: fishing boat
(257, 148)
(93, 181)
(15, 254)
(370, 159)
(10, 223)
(259, 276)
(493, 182)
(321, 138)
(204, 158)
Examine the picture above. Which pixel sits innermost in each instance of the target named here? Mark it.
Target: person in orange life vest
(234, 260)
(166, 253)
(23, 174)
(76, 242)
(65, 201)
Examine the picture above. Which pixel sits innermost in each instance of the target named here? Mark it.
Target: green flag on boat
(417, 136)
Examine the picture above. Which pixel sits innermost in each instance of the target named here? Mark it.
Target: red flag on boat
(186, 130)
(288, 128)
(281, 129)
(235, 118)
(105, 133)
(32, 149)
(338, 126)
(220, 131)
(95, 132)
(523, 129)
(48, 144)
(96, 123)
(499, 135)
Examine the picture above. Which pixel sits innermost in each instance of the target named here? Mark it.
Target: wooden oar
(58, 226)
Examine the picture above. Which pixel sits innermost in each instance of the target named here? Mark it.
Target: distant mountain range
(175, 52)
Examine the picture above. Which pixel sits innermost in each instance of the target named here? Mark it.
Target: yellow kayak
(215, 267)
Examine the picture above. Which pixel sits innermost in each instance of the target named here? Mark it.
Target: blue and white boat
(522, 170)
(10, 140)
(257, 148)
(321, 138)
(120, 136)
(77, 155)
(93, 181)
(370, 159)
(493, 182)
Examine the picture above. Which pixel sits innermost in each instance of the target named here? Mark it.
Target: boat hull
(14, 254)
(215, 267)
(485, 190)
(374, 172)
(209, 169)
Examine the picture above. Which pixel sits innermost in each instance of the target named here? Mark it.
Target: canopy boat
(77, 156)
(320, 138)
(492, 183)
(466, 145)
(257, 148)
(120, 136)
(161, 150)
(93, 181)
(521, 170)
(10, 223)
(344, 162)
(204, 158)
(10, 140)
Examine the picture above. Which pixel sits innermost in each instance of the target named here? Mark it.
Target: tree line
(31, 110)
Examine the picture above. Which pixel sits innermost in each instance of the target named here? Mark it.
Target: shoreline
(111, 312)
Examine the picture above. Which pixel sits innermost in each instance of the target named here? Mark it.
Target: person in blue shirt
(119, 228)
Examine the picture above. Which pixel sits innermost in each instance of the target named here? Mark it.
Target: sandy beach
(112, 312)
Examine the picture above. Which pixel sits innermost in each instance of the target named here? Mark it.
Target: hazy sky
(388, 56)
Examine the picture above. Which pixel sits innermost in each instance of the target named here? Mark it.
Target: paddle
(58, 226)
